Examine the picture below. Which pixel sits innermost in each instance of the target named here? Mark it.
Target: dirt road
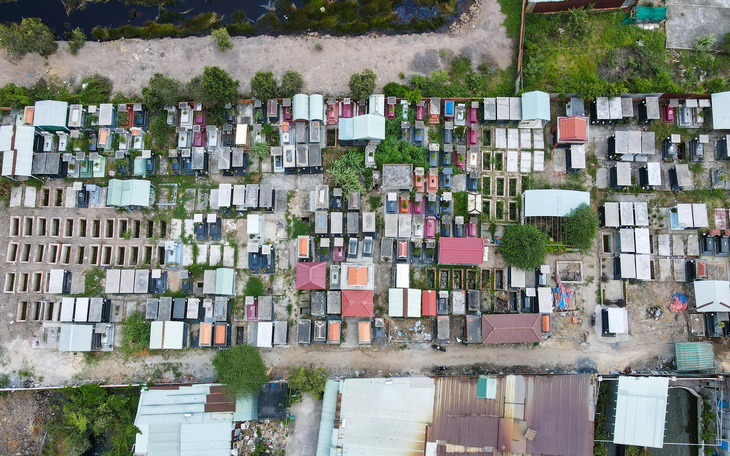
(130, 63)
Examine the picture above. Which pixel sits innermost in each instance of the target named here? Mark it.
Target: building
(694, 356)
(17, 143)
(461, 250)
(129, 193)
(51, 115)
(168, 335)
(641, 408)
(357, 303)
(535, 109)
(511, 328)
(367, 127)
(570, 130)
(311, 276)
(721, 111)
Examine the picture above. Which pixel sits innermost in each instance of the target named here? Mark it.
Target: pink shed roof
(311, 276)
(511, 328)
(454, 250)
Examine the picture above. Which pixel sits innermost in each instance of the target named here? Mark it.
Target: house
(357, 303)
(535, 109)
(311, 276)
(511, 328)
(570, 130)
(130, 193)
(461, 250)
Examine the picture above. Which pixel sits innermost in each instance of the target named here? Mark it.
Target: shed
(535, 107)
(428, 303)
(304, 331)
(50, 115)
(17, 143)
(618, 320)
(552, 202)
(710, 296)
(167, 335)
(402, 275)
(641, 407)
(694, 356)
(75, 338)
(316, 107)
(300, 107)
(131, 192)
(571, 130)
(365, 127)
(611, 214)
(721, 110)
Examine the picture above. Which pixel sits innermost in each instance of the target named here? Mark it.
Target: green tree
(263, 85)
(254, 287)
(136, 334)
(76, 41)
(214, 88)
(393, 89)
(241, 370)
(31, 35)
(580, 227)
(222, 39)
(349, 172)
(291, 84)
(162, 91)
(523, 246)
(260, 150)
(14, 96)
(362, 85)
(306, 380)
(94, 90)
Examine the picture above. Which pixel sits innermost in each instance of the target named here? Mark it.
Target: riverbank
(130, 63)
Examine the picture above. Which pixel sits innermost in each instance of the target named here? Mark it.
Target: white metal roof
(264, 334)
(643, 267)
(641, 212)
(402, 275)
(545, 300)
(618, 320)
(75, 338)
(414, 303)
(643, 244)
(627, 263)
(627, 213)
(553, 202)
(395, 302)
(641, 407)
(167, 335)
(699, 215)
(626, 238)
(611, 214)
(712, 295)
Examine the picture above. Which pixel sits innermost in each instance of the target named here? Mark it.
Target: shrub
(393, 89)
(94, 90)
(136, 335)
(260, 150)
(362, 85)
(306, 380)
(705, 43)
(263, 85)
(76, 41)
(349, 172)
(254, 287)
(523, 246)
(14, 96)
(580, 227)
(161, 91)
(222, 39)
(291, 84)
(31, 35)
(241, 370)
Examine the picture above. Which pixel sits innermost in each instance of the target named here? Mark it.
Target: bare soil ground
(22, 415)
(130, 63)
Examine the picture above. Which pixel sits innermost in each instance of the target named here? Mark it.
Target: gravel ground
(130, 63)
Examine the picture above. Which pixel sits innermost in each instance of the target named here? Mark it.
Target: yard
(592, 54)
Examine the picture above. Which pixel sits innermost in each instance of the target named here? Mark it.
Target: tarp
(644, 14)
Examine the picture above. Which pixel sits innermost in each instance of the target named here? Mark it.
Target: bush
(136, 335)
(306, 380)
(31, 35)
(580, 228)
(393, 89)
(349, 173)
(291, 84)
(396, 151)
(94, 90)
(254, 287)
(263, 85)
(222, 39)
(260, 150)
(76, 41)
(214, 88)
(523, 246)
(14, 96)
(241, 370)
(362, 85)
(161, 91)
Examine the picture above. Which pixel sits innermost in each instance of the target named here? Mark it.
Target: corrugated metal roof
(535, 105)
(511, 328)
(553, 202)
(694, 356)
(132, 192)
(641, 408)
(721, 111)
(327, 419)
(75, 338)
(461, 250)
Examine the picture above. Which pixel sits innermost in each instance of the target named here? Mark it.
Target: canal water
(116, 13)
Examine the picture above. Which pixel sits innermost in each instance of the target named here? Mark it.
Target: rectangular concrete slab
(175, 229)
(16, 196)
(70, 198)
(30, 197)
(187, 255)
(202, 254)
(215, 255)
(229, 255)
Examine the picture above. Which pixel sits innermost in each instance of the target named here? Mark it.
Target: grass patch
(136, 336)
(92, 282)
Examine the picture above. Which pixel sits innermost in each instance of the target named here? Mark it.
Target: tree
(254, 287)
(348, 172)
(31, 35)
(14, 96)
(523, 246)
(306, 380)
(263, 85)
(94, 90)
(260, 150)
(241, 370)
(580, 227)
(214, 88)
(291, 84)
(362, 85)
(222, 39)
(161, 91)
(76, 41)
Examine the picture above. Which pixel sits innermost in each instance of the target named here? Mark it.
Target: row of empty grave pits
(92, 255)
(79, 228)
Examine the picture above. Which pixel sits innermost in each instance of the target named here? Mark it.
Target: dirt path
(130, 63)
